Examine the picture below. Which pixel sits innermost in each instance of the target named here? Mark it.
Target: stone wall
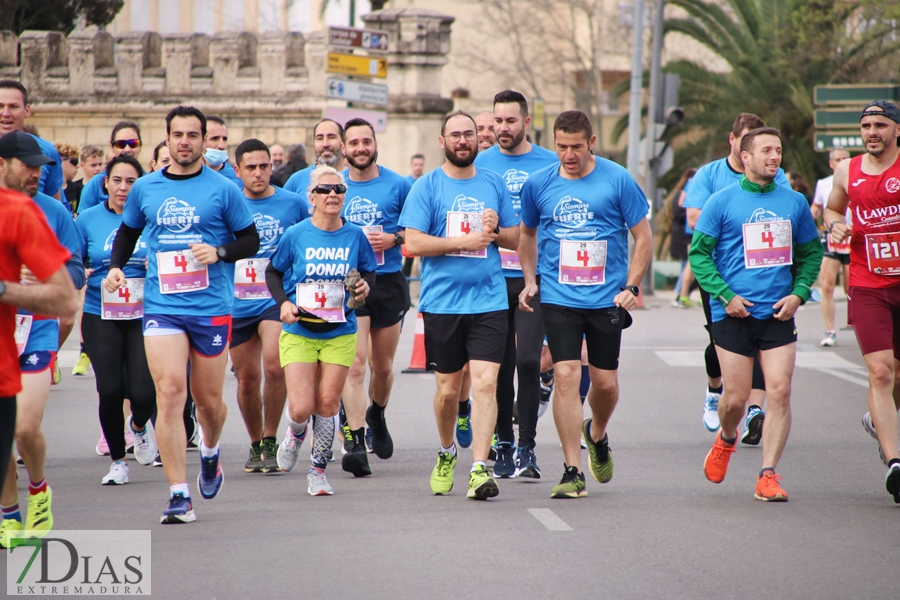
(269, 86)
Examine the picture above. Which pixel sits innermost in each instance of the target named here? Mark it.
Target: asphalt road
(659, 529)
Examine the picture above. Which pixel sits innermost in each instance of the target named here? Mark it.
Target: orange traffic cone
(417, 361)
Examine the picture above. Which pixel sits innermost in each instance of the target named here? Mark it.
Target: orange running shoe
(768, 490)
(716, 464)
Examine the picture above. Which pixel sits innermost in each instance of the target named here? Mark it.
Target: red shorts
(875, 314)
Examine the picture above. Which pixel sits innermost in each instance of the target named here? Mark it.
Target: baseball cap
(888, 110)
(17, 144)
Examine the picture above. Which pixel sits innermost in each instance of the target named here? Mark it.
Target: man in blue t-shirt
(457, 217)
(195, 224)
(328, 144)
(514, 158)
(756, 251)
(708, 180)
(375, 196)
(256, 323)
(416, 167)
(216, 154)
(580, 210)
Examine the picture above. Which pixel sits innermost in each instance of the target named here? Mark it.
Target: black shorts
(843, 258)
(388, 300)
(453, 340)
(600, 327)
(748, 336)
(243, 328)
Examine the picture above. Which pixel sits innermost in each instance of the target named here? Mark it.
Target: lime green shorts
(294, 348)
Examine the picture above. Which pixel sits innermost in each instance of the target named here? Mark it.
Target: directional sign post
(856, 94)
(365, 39)
(352, 64)
(838, 139)
(357, 91)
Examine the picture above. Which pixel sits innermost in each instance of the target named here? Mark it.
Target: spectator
(296, 162)
(416, 167)
(277, 156)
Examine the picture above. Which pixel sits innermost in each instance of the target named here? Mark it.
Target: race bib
(124, 304)
(835, 248)
(180, 272)
(883, 252)
(768, 244)
(324, 300)
(250, 279)
(461, 223)
(509, 259)
(582, 263)
(23, 328)
(367, 229)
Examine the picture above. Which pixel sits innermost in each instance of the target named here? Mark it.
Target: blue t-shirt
(93, 193)
(175, 213)
(459, 285)
(308, 254)
(587, 221)
(724, 217)
(227, 171)
(299, 181)
(273, 216)
(97, 228)
(410, 179)
(515, 170)
(51, 175)
(378, 202)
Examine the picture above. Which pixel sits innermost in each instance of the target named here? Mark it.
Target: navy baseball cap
(17, 144)
(888, 110)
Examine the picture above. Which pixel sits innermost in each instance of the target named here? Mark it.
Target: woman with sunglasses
(124, 139)
(318, 338)
(111, 325)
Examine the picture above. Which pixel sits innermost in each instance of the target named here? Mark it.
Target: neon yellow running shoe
(82, 366)
(601, 460)
(481, 485)
(57, 376)
(442, 475)
(7, 526)
(40, 515)
(571, 485)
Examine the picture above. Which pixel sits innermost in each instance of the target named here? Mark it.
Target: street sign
(377, 118)
(856, 94)
(351, 64)
(357, 91)
(366, 39)
(538, 120)
(840, 139)
(837, 118)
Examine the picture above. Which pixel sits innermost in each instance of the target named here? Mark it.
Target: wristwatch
(633, 289)
(398, 240)
(220, 252)
(2, 288)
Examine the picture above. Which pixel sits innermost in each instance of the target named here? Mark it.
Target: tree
(56, 15)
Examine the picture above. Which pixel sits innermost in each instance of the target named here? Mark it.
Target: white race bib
(250, 279)
(768, 244)
(367, 229)
(460, 224)
(324, 300)
(23, 328)
(835, 248)
(124, 304)
(883, 253)
(582, 263)
(180, 272)
(509, 259)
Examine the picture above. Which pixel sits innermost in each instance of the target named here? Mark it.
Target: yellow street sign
(538, 120)
(351, 64)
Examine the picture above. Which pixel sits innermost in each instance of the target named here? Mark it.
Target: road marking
(807, 360)
(846, 377)
(549, 519)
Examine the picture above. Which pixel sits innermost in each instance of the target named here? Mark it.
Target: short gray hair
(314, 177)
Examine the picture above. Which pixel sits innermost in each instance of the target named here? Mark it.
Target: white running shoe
(102, 447)
(317, 485)
(830, 339)
(711, 410)
(118, 473)
(145, 447)
(870, 429)
(289, 451)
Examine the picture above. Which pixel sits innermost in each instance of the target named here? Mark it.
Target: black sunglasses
(73, 162)
(327, 188)
(120, 144)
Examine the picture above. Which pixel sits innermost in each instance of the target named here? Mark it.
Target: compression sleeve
(245, 245)
(275, 283)
(123, 245)
(705, 270)
(807, 262)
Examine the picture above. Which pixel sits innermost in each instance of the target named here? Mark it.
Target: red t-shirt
(25, 237)
(875, 244)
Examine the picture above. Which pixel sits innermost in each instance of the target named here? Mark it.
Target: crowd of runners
(527, 283)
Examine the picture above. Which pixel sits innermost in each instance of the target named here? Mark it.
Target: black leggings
(116, 350)
(7, 432)
(713, 370)
(524, 341)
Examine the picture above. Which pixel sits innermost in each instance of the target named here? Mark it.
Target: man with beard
(216, 154)
(484, 123)
(328, 146)
(514, 159)
(457, 217)
(375, 197)
(870, 185)
(277, 156)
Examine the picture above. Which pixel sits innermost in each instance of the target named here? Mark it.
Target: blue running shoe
(753, 426)
(505, 467)
(180, 511)
(211, 477)
(464, 428)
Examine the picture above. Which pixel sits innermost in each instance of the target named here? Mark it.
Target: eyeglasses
(121, 144)
(456, 136)
(73, 161)
(327, 188)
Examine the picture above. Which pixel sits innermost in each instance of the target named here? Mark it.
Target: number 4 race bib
(883, 252)
(124, 304)
(250, 279)
(460, 224)
(768, 244)
(582, 263)
(23, 328)
(180, 272)
(324, 300)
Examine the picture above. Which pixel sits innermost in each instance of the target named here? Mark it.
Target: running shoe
(254, 462)
(144, 442)
(289, 450)
(369, 436)
(57, 376)
(157, 462)
(711, 410)
(768, 489)
(546, 392)
(870, 428)
(601, 460)
(571, 485)
(492, 453)
(81, 367)
(193, 442)
(269, 451)
(753, 426)
(317, 485)
(382, 443)
(830, 340)
(716, 463)
(40, 513)
(892, 482)
(464, 428)
(7, 526)
(442, 474)
(210, 478)
(180, 510)
(102, 447)
(129, 442)
(526, 463)
(356, 461)
(346, 438)
(118, 473)
(505, 467)
(683, 302)
(481, 485)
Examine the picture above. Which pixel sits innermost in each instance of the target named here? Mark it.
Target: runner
(583, 208)
(329, 148)
(194, 222)
(124, 139)
(456, 217)
(162, 158)
(487, 137)
(111, 326)
(708, 180)
(514, 159)
(376, 197)
(756, 251)
(318, 340)
(257, 319)
(216, 154)
(20, 162)
(277, 152)
(416, 167)
(868, 185)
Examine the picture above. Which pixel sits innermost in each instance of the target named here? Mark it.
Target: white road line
(549, 519)
(846, 377)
